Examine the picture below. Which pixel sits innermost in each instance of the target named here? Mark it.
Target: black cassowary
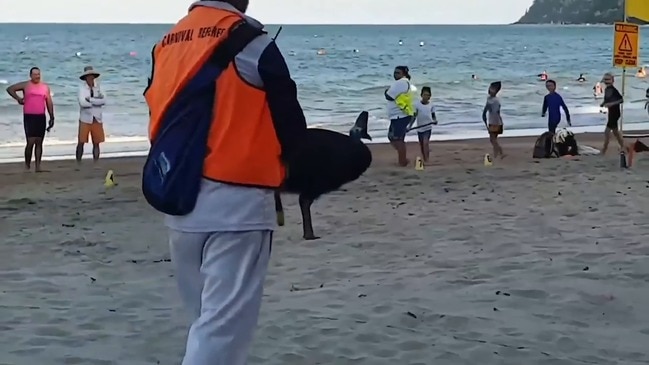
(328, 161)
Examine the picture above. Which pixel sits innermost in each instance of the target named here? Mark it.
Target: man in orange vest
(221, 249)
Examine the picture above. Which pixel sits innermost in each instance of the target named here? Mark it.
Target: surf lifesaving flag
(637, 11)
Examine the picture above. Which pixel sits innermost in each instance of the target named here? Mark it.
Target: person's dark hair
(551, 82)
(405, 70)
(241, 5)
(426, 89)
(496, 86)
(31, 70)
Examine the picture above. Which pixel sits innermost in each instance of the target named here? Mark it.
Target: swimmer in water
(581, 78)
(641, 74)
(543, 76)
(474, 77)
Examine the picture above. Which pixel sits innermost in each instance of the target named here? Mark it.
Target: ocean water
(335, 87)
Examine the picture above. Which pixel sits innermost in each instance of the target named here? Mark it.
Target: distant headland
(574, 12)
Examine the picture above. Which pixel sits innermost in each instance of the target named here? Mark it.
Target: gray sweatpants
(220, 278)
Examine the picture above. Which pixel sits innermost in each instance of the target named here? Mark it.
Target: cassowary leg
(307, 225)
(279, 209)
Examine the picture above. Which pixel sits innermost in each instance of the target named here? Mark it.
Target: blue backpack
(172, 173)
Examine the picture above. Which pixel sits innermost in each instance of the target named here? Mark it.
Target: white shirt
(492, 111)
(424, 116)
(398, 87)
(90, 107)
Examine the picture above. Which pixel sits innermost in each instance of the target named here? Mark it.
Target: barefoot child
(552, 104)
(425, 117)
(612, 101)
(492, 119)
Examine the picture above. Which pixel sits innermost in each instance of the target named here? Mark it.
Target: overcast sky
(271, 11)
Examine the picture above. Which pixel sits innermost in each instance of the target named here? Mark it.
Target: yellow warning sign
(626, 45)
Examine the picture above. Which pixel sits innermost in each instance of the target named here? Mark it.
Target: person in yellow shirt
(401, 110)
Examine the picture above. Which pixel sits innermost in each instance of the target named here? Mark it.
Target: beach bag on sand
(565, 143)
(544, 146)
(173, 171)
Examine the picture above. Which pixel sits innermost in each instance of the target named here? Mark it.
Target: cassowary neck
(355, 135)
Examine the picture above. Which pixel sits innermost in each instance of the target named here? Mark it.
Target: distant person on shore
(552, 104)
(641, 74)
(401, 111)
(612, 101)
(597, 90)
(255, 124)
(492, 118)
(426, 118)
(91, 102)
(581, 78)
(35, 100)
(543, 76)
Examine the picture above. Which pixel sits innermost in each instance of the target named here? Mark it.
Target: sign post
(626, 44)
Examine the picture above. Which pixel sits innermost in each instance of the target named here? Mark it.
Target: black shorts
(424, 136)
(612, 120)
(35, 125)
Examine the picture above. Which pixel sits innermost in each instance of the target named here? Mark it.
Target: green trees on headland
(574, 12)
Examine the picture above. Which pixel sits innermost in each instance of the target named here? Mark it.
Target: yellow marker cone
(487, 160)
(109, 182)
(419, 164)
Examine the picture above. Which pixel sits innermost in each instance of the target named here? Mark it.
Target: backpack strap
(240, 36)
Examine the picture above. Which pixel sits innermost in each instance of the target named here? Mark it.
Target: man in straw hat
(91, 102)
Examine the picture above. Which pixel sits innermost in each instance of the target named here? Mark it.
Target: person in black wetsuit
(612, 101)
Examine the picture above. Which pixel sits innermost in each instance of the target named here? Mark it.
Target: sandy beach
(522, 263)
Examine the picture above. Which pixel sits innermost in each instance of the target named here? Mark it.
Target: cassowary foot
(310, 236)
(307, 224)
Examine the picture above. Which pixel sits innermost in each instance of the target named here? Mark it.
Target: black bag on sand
(544, 146)
(565, 143)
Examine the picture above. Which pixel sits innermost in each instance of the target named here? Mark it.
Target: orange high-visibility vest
(243, 147)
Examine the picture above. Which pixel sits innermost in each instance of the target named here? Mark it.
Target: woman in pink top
(36, 98)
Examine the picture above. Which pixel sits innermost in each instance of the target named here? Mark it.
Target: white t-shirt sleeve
(398, 87)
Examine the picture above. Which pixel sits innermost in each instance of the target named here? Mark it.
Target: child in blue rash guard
(552, 104)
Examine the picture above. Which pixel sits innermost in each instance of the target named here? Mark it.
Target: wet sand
(525, 262)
